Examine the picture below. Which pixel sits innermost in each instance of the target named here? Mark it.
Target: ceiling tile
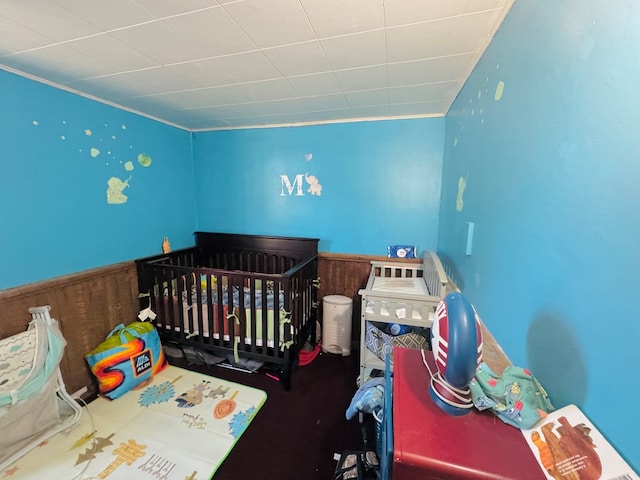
(156, 41)
(433, 109)
(330, 18)
(407, 12)
(112, 52)
(434, 39)
(257, 19)
(246, 67)
(256, 109)
(367, 111)
(480, 5)
(204, 123)
(430, 92)
(185, 100)
(298, 59)
(327, 102)
(15, 37)
(164, 80)
(107, 15)
(154, 81)
(59, 64)
(379, 97)
(167, 8)
(362, 78)
(227, 96)
(203, 73)
(305, 117)
(208, 33)
(117, 87)
(358, 50)
(242, 63)
(428, 71)
(284, 119)
(48, 19)
(163, 108)
(317, 84)
(270, 90)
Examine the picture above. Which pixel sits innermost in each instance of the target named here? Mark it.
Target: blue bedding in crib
(247, 296)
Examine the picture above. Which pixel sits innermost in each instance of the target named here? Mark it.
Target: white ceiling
(218, 64)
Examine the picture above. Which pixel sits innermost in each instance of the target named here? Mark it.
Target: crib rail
(436, 278)
(259, 305)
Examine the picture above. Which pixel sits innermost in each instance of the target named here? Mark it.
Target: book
(569, 447)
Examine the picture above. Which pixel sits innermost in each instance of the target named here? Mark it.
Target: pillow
(128, 357)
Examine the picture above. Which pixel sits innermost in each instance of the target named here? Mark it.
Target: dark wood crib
(251, 296)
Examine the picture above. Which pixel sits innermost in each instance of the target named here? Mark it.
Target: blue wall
(542, 148)
(380, 183)
(59, 152)
(540, 153)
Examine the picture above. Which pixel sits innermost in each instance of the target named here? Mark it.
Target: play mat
(180, 426)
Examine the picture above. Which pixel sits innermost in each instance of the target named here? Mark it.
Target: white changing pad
(405, 285)
(411, 286)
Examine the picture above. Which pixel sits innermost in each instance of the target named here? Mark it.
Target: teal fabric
(516, 397)
(52, 350)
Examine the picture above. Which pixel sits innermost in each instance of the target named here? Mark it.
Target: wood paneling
(345, 274)
(89, 304)
(86, 305)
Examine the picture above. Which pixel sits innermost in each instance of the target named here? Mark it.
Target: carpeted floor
(296, 433)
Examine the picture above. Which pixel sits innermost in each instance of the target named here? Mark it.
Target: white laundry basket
(336, 324)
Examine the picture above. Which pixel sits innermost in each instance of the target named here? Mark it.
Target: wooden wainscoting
(345, 274)
(87, 306)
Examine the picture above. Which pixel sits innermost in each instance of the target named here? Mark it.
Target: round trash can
(336, 324)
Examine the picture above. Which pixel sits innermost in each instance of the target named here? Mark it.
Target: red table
(429, 443)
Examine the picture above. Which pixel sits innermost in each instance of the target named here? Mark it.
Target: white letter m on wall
(285, 184)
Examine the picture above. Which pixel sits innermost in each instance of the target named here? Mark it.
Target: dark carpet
(296, 433)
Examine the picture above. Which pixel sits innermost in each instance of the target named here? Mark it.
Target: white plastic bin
(336, 324)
